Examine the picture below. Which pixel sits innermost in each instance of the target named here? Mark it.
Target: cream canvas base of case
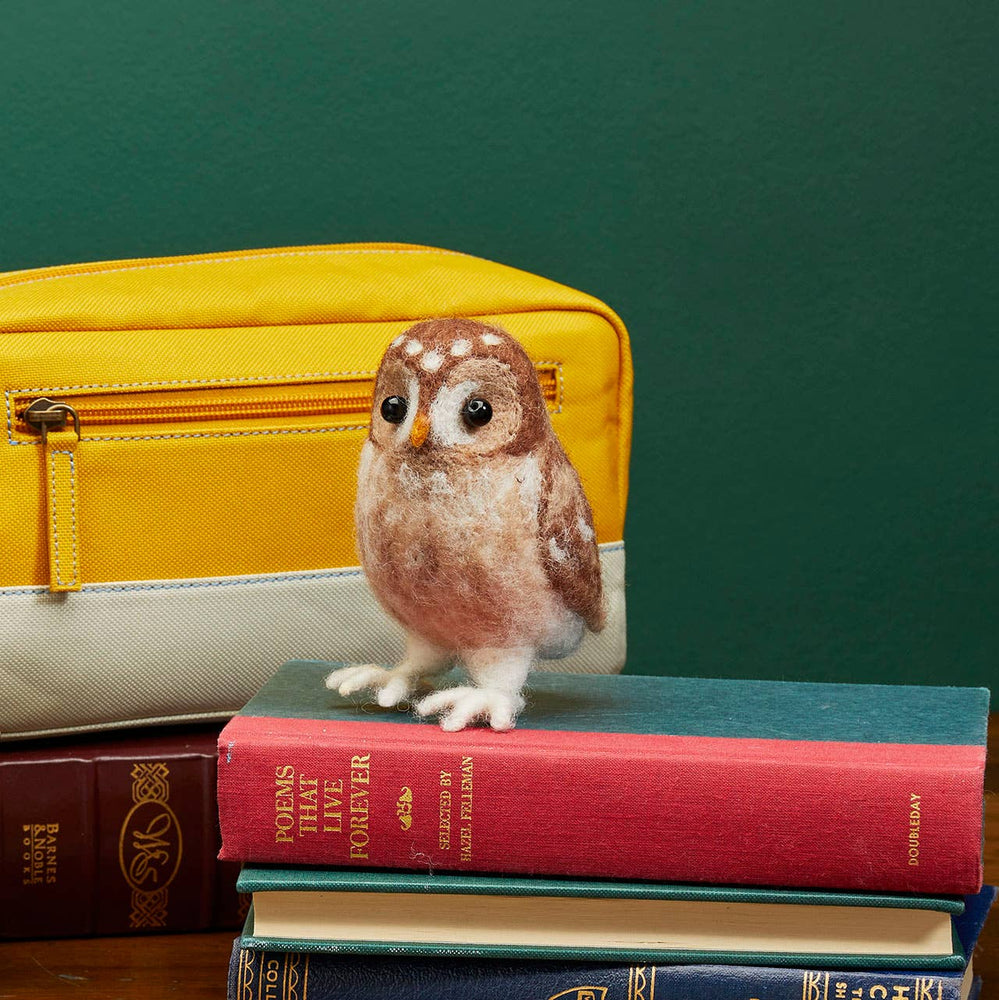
(182, 524)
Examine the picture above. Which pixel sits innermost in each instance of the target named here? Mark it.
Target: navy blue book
(255, 975)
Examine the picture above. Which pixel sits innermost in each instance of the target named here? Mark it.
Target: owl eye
(477, 412)
(394, 409)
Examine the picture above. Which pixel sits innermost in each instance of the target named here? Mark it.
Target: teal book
(835, 786)
(366, 912)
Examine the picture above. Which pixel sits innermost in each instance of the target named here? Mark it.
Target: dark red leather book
(113, 834)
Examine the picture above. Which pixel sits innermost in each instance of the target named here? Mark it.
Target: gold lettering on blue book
(642, 982)
(581, 993)
(270, 978)
(150, 845)
(922, 989)
(815, 986)
(246, 975)
(915, 818)
(404, 808)
(281, 977)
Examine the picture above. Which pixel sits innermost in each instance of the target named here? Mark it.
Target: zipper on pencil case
(60, 425)
(93, 415)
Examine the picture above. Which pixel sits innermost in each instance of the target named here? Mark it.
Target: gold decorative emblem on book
(582, 993)
(404, 808)
(266, 974)
(150, 845)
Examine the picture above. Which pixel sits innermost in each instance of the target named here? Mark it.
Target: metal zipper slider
(50, 414)
(49, 417)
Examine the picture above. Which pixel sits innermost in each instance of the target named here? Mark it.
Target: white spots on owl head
(413, 347)
(585, 531)
(491, 340)
(557, 553)
(460, 348)
(432, 360)
(398, 340)
(446, 423)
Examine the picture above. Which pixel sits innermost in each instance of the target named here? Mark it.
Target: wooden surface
(194, 966)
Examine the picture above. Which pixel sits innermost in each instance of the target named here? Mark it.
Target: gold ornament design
(150, 845)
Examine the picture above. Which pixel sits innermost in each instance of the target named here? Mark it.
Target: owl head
(459, 388)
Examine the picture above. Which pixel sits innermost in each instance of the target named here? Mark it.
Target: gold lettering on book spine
(582, 993)
(815, 986)
(150, 845)
(244, 977)
(266, 975)
(642, 982)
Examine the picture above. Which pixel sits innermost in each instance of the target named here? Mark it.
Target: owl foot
(389, 686)
(458, 706)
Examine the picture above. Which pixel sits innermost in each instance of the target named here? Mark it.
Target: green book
(365, 912)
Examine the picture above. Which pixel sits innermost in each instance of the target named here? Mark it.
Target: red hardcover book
(677, 779)
(113, 835)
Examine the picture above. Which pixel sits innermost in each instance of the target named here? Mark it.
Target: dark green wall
(793, 207)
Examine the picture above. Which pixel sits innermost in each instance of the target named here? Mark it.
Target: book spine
(113, 845)
(260, 975)
(811, 815)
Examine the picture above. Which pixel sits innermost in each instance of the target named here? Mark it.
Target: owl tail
(565, 642)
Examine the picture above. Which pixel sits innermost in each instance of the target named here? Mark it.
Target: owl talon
(461, 705)
(389, 686)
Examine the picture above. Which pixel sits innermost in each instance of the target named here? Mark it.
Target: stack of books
(635, 838)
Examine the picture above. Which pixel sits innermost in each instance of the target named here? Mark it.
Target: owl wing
(566, 538)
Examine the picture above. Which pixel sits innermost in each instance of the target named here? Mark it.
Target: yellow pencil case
(178, 476)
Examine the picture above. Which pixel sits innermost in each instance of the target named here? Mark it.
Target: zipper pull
(50, 418)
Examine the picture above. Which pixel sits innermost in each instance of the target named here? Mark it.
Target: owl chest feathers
(452, 551)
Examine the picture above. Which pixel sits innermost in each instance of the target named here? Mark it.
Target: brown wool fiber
(478, 539)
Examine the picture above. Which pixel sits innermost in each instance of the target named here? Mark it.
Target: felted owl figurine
(472, 525)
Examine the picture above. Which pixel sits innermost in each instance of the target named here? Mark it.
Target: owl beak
(419, 431)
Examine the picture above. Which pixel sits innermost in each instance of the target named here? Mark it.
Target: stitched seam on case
(211, 382)
(203, 434)
(55, 521)
(110, 588)
(226, 260)
(228, 434)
